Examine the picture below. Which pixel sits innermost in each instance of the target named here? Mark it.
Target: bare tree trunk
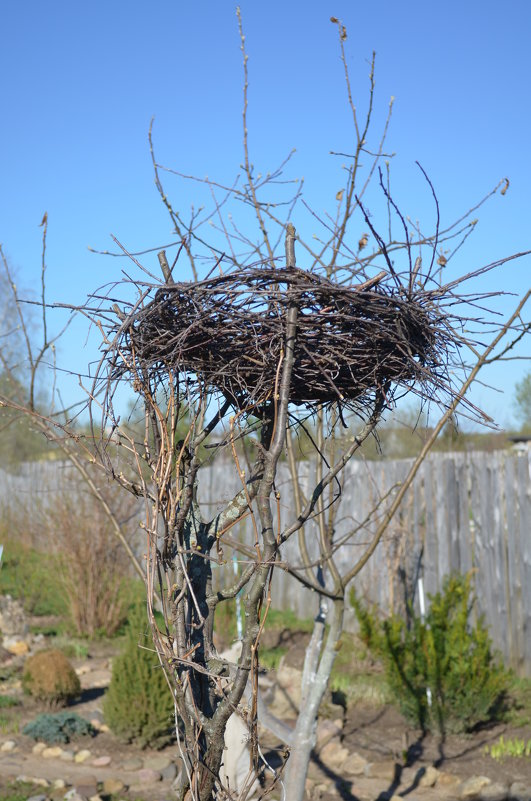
(318, 664)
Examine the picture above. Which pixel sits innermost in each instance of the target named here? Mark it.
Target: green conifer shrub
(442, 672)
(138, 706)
(59, 728)
(49, 677)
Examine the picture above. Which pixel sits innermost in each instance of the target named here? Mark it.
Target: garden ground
(366, 750)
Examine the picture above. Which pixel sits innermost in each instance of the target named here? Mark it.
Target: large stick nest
(229, 332)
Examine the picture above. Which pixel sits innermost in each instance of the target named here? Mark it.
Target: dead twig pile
(228, 332)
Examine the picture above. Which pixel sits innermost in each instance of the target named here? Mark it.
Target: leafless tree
(247, 355)
(231, 366)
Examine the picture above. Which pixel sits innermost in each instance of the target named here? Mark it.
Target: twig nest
(229, 332)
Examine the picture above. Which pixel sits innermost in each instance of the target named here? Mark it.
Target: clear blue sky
(80, 83)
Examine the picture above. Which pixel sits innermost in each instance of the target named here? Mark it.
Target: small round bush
(138, 706)
(49, 677)
(59, 728)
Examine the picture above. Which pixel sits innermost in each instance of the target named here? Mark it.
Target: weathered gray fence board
(463, 512)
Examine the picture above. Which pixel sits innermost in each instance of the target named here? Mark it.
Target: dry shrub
(49, 677)
(93, 567)
(92, 571)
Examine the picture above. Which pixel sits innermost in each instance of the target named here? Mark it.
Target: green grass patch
(7, 702)
(518, 707)
(9, 723)
(288, 620)
(31, 577)
(270, 657)
(18, 791)
(513, 747)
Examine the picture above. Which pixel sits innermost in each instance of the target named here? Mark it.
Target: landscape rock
(86, 790)
(327, 730)
(318, 791)
(37, 798)
(147, 776)
(169, 773)
(52, 752)
(15, 646)
(59, 784)
(82, 755)
(67, 755)
(287, 692)
(430, 777)
(101, 761)
(519, 792)
(385, 770)
(471, 788)
(132, 764)
(157, 762)
(8, 745)
(113, 786)
(494, 792)
(13, 620)
(446, 779)
(38, 748)
(355, 765)
(334, 755)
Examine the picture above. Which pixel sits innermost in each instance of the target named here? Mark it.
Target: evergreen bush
(138, 706)
(49, 677)
(442, 672)
(59, 728)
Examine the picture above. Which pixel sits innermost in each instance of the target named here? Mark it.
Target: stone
(235, 766)
(15, 646)
(168, 774)
(113, 786)
(385, 770)
(132, 764)
(13, 620)
(104, 728)
(355, 765)
(333, 755)
(53, 752)
(82, 755)
(38, 748)
(67, 755)
(59, 784)
(72, 795)
(494, 792)
(287, 693)
(8, 745)
(447, 779)
(147, 776)
(430, 777)
(472, 787)
(86, 790)
(327, 730)
(101, 761)
(322, 789)
(157, 762)
(37, 798)
(519, 792)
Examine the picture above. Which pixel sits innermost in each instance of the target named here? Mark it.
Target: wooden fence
(465, 511)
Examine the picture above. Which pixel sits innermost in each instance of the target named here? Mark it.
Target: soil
(379, 734)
